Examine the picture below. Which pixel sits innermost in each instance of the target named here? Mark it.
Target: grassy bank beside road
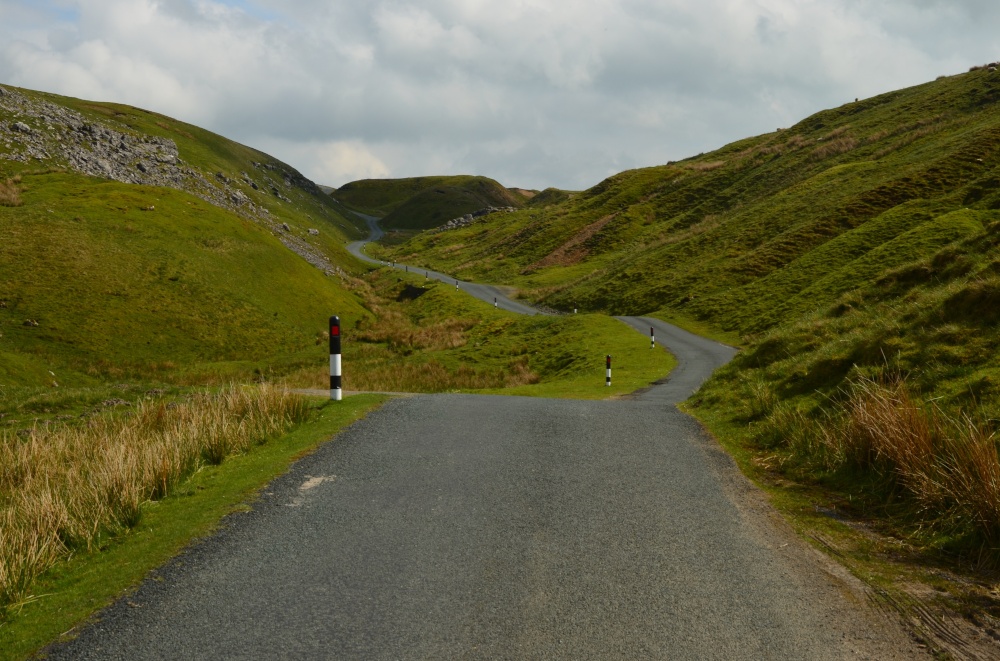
(424, 336)
(91, 574)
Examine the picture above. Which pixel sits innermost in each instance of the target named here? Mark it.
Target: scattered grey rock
(30, 323)
(285, 227)
(313, 232)
(24, 433)
(469, 218)
(113, 402)
(105, 148)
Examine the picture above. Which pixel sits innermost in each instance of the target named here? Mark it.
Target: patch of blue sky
(60, 11)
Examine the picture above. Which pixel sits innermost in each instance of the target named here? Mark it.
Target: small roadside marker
(652, 338)
(607, 379)
(335, 391)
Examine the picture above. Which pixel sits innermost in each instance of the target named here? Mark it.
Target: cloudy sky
(534, 93)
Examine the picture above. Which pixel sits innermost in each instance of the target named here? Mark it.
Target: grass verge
(895, 511)
(90, 579)
(405, 347)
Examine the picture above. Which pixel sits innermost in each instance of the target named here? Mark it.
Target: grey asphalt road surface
(463, 526)
(696, 356)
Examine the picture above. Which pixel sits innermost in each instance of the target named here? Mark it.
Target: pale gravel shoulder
(872, 630)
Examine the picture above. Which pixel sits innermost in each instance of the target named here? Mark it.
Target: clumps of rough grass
(10, 192)
(757, 155)
(701, 166)
(706, 224)
(390, 325)
(63, 488)
(373, 370)
(946, 466)
(837, 142)
(403, 336)
(432, 376)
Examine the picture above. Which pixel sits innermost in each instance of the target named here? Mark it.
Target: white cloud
(531, 92)
(339, 161)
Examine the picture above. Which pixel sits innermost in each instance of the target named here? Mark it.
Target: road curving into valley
(465, 526)
(486, 293)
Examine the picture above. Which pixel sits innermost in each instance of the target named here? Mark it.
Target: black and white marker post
(652, 338)
(494, 301)
(335, 392)
(607, 379)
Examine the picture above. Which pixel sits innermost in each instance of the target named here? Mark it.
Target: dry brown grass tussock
(432, 376)
(10, 192)
(705, 166)
(61, 488)
(752, 155)
(403, 336)
(949, 466)
(841, 144)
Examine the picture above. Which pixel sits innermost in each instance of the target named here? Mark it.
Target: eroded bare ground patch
(574, 250)
(940, 626)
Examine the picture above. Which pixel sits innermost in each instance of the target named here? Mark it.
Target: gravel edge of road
(759, 515)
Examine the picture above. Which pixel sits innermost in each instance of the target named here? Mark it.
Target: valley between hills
(150, 268)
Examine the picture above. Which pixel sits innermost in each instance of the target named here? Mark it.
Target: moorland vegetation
(855, 257)
(147, 266)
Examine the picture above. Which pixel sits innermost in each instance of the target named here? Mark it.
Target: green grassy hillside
(849, 253)
(424, 202)
(194, 280)
(764, 230)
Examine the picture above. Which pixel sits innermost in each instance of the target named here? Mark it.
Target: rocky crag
(56, 136)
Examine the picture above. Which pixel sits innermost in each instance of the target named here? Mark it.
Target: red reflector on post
(335, 330)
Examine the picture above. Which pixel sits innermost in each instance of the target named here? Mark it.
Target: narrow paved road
(486, 293)
(459, 526)
(462, 526)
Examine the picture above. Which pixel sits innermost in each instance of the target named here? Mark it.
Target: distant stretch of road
(483, 292)
(482, 527)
